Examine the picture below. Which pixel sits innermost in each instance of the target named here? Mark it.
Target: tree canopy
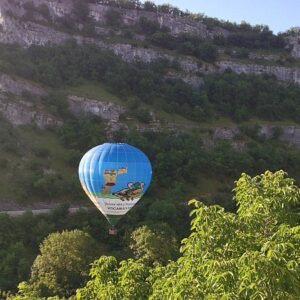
(63, 263)
(156, 245)
(253, 254)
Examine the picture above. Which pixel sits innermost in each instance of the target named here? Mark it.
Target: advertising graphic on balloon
(115, 176)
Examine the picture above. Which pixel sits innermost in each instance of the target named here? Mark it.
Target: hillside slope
(75, 74)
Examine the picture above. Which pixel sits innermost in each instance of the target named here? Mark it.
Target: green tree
(63, 263)
(81, 10)
(156, 245)
(150, 6)
(113, 18)
(108, 281)
(253, 254)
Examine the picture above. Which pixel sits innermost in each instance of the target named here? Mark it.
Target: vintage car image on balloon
(134, 190)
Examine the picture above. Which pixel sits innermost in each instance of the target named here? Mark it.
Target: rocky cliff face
(15, 28)
(18, 86)
(26, 113)
(176, 25)
(28, 33)
(21, 104)
(104, 110)
(288, 134)
(58, 9)
(294, 42)
(281, 73)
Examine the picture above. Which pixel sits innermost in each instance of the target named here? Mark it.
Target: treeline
(251, 37)
(239, 97)
(146, 5)
(21, 236)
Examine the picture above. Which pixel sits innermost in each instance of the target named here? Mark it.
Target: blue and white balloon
(115, 176)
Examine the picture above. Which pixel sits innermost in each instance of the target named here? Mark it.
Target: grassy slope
(20, 163)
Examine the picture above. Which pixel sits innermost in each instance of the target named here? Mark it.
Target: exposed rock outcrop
(57, 9)
(20, 112)
(194, 81)
(289, 134)
(294, 42)
(281, 73)
(26, 34)
(104, 109)
(25, 113)
(261, 56)
(18, 86)
(176, 25)
(224, 133)
(130, 53)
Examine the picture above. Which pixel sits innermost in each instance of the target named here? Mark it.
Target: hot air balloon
(115, 176)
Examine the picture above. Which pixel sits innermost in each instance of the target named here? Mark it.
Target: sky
(279, 15)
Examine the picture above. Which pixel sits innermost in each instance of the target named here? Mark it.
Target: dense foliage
(243, 96)
(20, 238)
(63, 262)
(239, 97)
(252, 254)
(248, 255)
(145, 5)
(247, 36)
(154, 246)
(179, 163)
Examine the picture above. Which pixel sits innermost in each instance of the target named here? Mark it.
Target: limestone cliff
(58, 9)
(42, 28)
(16, 28)
(21, 103)
(176, 25)
(281, 73)
(26, 113)
(294, 42)
(289, 134)
(103, 109)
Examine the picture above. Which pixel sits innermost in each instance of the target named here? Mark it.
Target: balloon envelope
(115, 176)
